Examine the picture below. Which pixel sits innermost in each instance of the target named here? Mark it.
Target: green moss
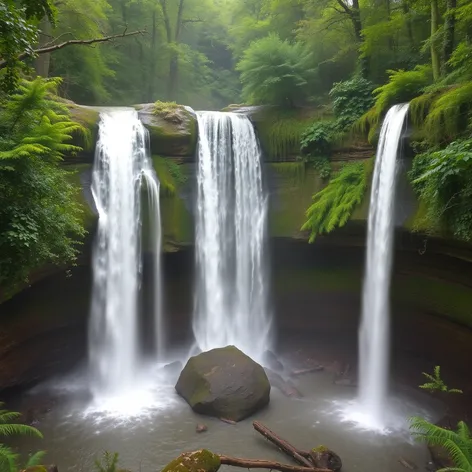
(167, 109)
(196, 461)
(88, 118)
(320, 449)
(167, 180)
(447, 299)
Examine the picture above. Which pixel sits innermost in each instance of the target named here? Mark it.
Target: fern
(108, 463)
(436, 383)
(458, 444)
(402, 86)
(333, 206)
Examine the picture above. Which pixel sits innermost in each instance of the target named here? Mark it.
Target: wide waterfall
(374, 328)
(231, 304)
(122, 171)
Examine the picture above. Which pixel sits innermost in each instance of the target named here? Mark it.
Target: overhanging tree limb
(71, 42)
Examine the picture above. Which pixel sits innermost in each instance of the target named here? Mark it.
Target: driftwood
(226, 420)
(282, 444)
(271, 465)
(308, 370)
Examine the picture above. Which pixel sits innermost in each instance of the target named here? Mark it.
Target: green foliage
(323, 166)
(317, 139)
(18, 34)
(333, 206)
(402, 86)
(275, 72)
(443, 182)
(436, 383)
(351, 99)
(40, 220)
(458, 444)
(108, 463)
(280, 132)
(8, 457)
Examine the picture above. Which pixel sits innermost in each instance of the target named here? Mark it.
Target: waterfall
(231, 304)
(374, 328)
(122, 170)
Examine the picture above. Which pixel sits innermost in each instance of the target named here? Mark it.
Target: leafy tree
(275, 72)
(40, 220)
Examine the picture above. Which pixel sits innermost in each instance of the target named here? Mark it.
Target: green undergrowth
(280, 131)
(333, 206)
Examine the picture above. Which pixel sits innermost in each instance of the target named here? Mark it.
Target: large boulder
(196, 461)
(225, 383)
(172, 128)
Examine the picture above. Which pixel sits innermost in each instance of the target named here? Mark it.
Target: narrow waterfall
(231, 304)
(374, 328)
(122, 170)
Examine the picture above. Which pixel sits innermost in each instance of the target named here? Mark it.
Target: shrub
(443, 181)
(275, 72)
(40, 219)
(351, 99)
(317, 138)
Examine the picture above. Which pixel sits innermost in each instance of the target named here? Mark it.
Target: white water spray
(374, 328)
(230, 236)
(121, 165)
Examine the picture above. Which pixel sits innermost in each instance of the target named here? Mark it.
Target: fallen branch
(71, 42)
(283, 445)
(308, 370)
(270, 465)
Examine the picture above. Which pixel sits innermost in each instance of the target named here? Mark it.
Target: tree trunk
(449, 30)
(43, 62)
(409, 26)
(152, 65)
(270, 465)
(435, 63)
(355, 15)
(281, 444)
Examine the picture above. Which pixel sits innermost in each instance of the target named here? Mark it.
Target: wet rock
(270, 360)
(196, 461)
(325, 458)
(346, 382)
(172, 370)
(172, 128)
(201, 428)
(224, 383)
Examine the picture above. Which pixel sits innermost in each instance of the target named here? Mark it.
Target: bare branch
(71, 42)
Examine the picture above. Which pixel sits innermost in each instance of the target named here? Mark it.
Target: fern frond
(35, 459)
(8, 459)
(19, 429)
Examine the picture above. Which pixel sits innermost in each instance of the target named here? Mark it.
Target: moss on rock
(88, 118)
(172, 128)
(196, 461)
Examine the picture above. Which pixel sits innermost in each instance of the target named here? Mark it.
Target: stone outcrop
(196, 461)
(172, 128)
(224, 383)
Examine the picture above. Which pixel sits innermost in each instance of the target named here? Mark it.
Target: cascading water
(231, 303)
(122, 165)
(374, 328)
